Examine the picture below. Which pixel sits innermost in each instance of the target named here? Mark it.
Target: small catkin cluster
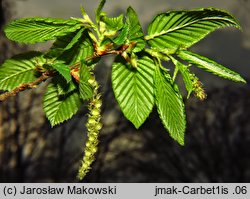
(93, 127)
(198, 89)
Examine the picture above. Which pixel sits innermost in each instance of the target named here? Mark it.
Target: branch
(26, 86)
(74, 69)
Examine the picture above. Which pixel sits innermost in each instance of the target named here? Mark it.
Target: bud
(85, 165)
(91, 80)
(95, 112)
(133, 60)
(98, 104)
(88, 153)
(98, 126)
(92, 139)
(94, 150)
(91, 121)
(75, 73)
(102, 26)
(88, 145)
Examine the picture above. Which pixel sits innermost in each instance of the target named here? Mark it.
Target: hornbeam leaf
(64, 43)
(63, 70)
(86, 91)
(59, 108)
(114, 23)
(210, 66)
(186, 75)
(99, 10)
(181, 29)
(63, 87)
(134, 88)
(33, 30)
(135, 30)
(75, 39)
(121, 38)
(80, 49)
(170, 105)
(18, 70)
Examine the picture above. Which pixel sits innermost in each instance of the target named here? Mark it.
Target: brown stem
(25, 86)
(108, 52)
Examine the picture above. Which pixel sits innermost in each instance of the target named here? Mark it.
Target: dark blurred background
(218, 130)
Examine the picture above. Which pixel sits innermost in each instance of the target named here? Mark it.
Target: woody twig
(26, 86)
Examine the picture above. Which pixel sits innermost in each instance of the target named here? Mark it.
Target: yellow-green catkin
(198, 89)
(93, 127)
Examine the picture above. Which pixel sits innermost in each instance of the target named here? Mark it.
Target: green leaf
(64, 43)
(170, 105)
(99, 10)
(84, 13)
(182, 29)
(85, 88)
(33, 30)
(186, 75)
(65, 88)
(63, 70)
(59, 108)
(134, 88)
(210, 66)
(75, 39)
(18, 70)
(135, 30)
(114, 23)
(80, 50)
(121, 38)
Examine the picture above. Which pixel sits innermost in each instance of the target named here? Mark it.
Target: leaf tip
(53, 123)
(242, 80)
(137, 125)
(189, 92)
(56, 122)
(130, 8)
(181, 142)
(180, 139)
